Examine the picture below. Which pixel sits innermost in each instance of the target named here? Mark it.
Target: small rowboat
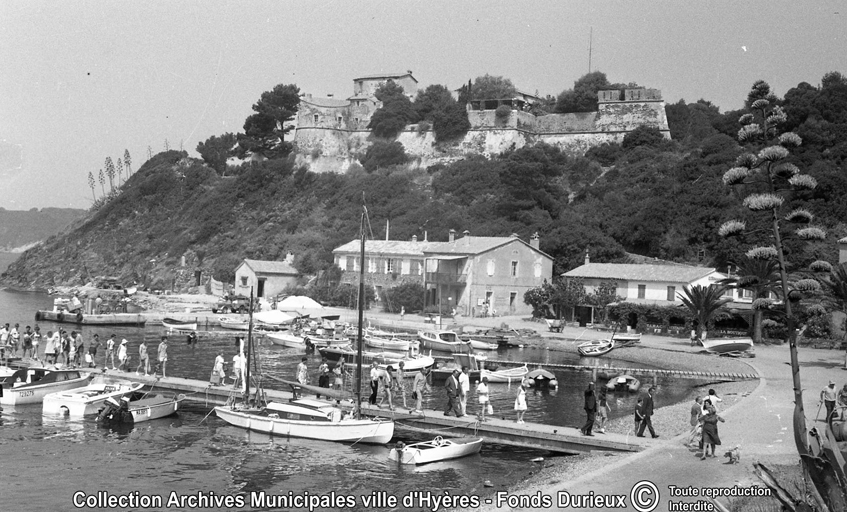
(435, 450)
(481, 345)
(235, 324)
(623, 382)
(726, 345)
(541, 378)
(595, 348)
(286, 339)
(505, 375)
(387, 344)
(173, 324)
(626, 339)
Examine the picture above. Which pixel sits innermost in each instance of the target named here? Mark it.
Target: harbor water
(194, 461)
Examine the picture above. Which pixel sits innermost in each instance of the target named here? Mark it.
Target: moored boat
(595, 348)
(445, 341)
(310, 419)
(625, 339)
(286, 339)
(31, 385)
(540, 378)
(87, 400)
(393, 344)
(481, 345)
(138, 407)
(91, 319)
(173, 324)
(623, 383)
(436, 450)
(727, 345)
(411, 364)
(235, 324)
(507, 375)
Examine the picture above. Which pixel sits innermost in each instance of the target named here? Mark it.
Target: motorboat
(433, 451)
(508, 375)
(138, 407)
(286, 339)
(445, 341)
(410, 363)
(595, 347)
(541, 378)
(173, 324)
(87, 400)
(310, 419)
(727, 345)
(31, 385)
(623, 383)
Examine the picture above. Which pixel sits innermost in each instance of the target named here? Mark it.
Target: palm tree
(705, 303)
(761, 277)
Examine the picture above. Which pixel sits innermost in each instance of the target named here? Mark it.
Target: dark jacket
(452, 386)
(648, 404)
(590, 400)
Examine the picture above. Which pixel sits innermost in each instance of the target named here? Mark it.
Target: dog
(734, 455)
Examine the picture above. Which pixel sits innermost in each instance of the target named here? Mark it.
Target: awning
(447, 258)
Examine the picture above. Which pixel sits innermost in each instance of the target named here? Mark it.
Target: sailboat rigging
(307, 418)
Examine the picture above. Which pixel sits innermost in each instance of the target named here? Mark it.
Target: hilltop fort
(338, 128)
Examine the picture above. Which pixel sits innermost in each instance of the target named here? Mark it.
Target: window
(340, 120)
(642, 291)
(537, 269)
(513, 271)
(317, 118)
(390, 266)
(243, 280)
(355, 264)
(671, 293)
(372, 265)
(490, 267)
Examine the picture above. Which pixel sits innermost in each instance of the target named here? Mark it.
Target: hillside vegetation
(658, 198)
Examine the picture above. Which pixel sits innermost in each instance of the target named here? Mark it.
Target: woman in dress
(520, 402)
(710, 429)
(482, 393)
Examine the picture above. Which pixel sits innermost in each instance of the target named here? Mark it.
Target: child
(639, 413)
(482, 393)
(520, 402)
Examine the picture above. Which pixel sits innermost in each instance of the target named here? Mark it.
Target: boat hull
(83, 319)
(431, 340)
(286, 340)
(724, 345)
(35, 393)
(178, 325)
(595, 348)
(349, 431)
(435, 450)
(508, 375)
(387, 344)
(85, 401)
(154, 408)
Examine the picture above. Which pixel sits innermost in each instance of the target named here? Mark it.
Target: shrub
(384, 154)
(643, 136)
(452, 123)
(502, 114)
(406, 295)
(423, 127)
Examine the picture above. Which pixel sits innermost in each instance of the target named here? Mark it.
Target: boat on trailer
(727, 345)
(433, 451)
(595, 348)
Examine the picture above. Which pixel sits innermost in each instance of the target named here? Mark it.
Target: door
(260, 288)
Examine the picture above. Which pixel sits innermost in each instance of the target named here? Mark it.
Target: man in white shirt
(464, 389)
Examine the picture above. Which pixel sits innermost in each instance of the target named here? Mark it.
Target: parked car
(232, 304)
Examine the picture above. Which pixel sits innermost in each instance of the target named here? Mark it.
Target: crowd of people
(71, 350)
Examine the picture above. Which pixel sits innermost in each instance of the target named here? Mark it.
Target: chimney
(467, 237)
(534, 241)
(587, 259)
(425, 240)
(414, 238)
(451, 237)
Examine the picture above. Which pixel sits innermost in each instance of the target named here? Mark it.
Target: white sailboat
(311, 419)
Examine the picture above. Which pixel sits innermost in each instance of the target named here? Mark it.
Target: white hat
(123, 342)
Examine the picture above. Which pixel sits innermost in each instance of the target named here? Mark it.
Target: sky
(86, 80)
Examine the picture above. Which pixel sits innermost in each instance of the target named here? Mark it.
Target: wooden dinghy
(595, 348)
(727, 345)
(172, 324)
(505, 375)
(436, 450)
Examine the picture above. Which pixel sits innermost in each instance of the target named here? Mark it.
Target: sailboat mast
(361, 317)
(249, 347)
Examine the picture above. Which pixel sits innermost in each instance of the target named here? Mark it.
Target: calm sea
(46, 461)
